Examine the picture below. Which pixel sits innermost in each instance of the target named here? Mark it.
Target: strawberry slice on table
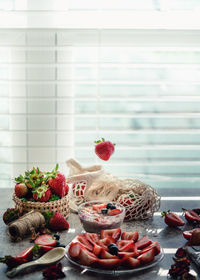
(114, 233)
(104, 149)
(130, 236)
(154, 245)
(26, 253)
(114, 212)
(191, 216)
(195, 238)
(147, 257)
(45, 239)
(83, 240)
(86, 257)
(130, 262)
(97, 250)
(105, 255)
(109, 263)
(172, 219)
(188, 234)
(93, 238)
(143, 242)
(45, 248)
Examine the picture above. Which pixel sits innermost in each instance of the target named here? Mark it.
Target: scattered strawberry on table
(104, 149)
(108, 251)
(55, 221)
(40, 186)
(191, 216)
(43, 244)
(172, 219)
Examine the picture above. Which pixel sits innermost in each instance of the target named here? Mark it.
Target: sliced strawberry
(26, 253)
(155, 245)
(114, 233)
(131, 247)
(143, 242)
(130, 236)
(98, 207)
(109, 263)
(46, 248)
(147, 257)
(127, 255)
(130, 262)
(122, 243)
(191, 216)
(114, 212)
(105, 255)
(105, 242)
(83, 240)
(188, 234)
(93, 238)
(45, 239)
(97, 250)
(86, 257)
(74, 249)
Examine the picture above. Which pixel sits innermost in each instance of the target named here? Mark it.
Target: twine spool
(26, 224)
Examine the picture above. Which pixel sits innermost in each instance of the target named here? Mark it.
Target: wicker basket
(61, 205)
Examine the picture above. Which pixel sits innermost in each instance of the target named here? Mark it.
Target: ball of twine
(28, 223)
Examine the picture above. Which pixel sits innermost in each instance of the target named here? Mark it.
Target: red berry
(58, 222)
(58, 184)
(21, 190)
(104, 149)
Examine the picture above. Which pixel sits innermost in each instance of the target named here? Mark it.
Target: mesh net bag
(139, 199)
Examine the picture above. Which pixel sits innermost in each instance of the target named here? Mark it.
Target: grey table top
(169, 238)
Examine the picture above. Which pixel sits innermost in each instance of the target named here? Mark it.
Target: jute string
(28, 223)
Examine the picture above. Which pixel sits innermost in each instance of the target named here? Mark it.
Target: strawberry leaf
(48, 215)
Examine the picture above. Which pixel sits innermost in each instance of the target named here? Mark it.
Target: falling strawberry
(55, 221)
(172, 219)
(104, 149)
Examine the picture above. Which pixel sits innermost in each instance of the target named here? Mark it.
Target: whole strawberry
(21, 190)
(55, 221)
(172, 219)
(104, 149)
(42, 194)
(58, 184)
(10, 215)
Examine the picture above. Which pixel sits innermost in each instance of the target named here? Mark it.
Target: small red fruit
(58, 222)
(195, 238)
(147, 257)
(42, 194)
(130, 236)
(104, 149)
(45, 240)
(191, 216)
(188, 234)
(21, 190)
(58, 184)
(114, 212)
(114, 233)
(26, 253)
(143, 242)
(172, 219)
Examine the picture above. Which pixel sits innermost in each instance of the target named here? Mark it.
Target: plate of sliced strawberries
(114, 252)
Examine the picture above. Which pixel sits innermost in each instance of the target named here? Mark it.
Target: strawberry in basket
(41, 186)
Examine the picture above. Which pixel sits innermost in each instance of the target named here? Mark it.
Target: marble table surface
(169, 238)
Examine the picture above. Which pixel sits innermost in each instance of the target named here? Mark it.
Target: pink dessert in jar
(96, 215)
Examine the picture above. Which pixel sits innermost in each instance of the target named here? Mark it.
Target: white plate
(156, 260)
